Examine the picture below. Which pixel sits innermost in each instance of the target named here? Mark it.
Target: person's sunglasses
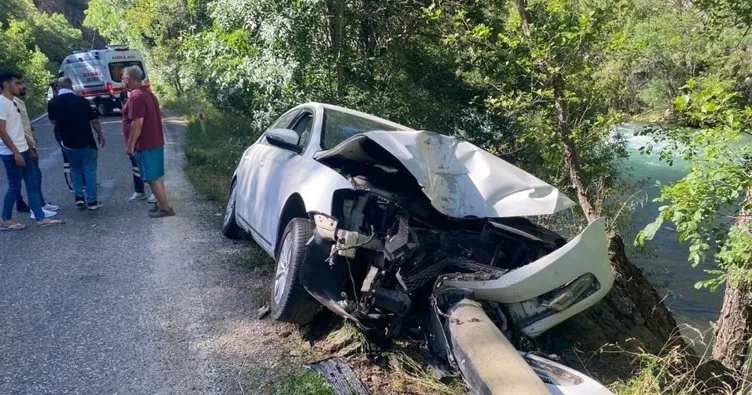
(16, 104)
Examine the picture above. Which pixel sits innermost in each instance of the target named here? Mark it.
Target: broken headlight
(554, 301)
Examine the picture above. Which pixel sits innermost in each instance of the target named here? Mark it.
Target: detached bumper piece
(340, 376)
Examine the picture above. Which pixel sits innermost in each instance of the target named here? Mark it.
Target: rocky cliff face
(73, 10)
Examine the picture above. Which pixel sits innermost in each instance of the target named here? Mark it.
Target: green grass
(305, 382)
(673, 372)
(256, 258)
(408, 372)
(211, 157)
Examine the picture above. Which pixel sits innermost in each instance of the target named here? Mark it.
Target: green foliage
(669, 372)
(256, 58)
(529, 92)
(15, 54)
(657, 47)
(107, 17)
(736, 254)
(545, 79)
(703, 204)
(737, 12)
(32, 42)
(306, 382)
(55, 37)
(156, 27)
(211, 157)
(52, 33)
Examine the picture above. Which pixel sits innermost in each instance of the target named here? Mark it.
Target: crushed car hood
(460, 179)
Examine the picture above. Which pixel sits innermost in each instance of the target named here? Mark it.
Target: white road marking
(39, 117)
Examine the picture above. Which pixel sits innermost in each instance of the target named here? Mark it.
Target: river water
(666, 264)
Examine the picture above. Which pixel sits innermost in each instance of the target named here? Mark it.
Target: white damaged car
(392, 227)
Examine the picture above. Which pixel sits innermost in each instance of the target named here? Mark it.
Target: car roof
(325, 106)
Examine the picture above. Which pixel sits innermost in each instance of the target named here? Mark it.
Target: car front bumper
(546, 292)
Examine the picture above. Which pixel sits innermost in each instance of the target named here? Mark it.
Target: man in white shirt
(16, 156)
(49, 209)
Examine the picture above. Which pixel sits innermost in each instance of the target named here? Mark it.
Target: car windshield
(116, 68)
(339, 126)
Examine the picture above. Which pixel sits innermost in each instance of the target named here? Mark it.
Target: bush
(211, 157)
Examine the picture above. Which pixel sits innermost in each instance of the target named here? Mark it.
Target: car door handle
(261, 164)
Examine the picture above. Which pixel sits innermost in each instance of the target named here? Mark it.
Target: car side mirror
(284, 138)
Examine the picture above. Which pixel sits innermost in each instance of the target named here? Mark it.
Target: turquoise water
(666, 265)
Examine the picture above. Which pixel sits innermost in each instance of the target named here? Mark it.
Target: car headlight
(554, 301)
(571, 293)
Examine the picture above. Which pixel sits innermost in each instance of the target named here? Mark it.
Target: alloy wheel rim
(230, 208)
(283, 266)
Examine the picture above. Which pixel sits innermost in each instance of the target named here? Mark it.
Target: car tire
(290, 302)
(230, 227)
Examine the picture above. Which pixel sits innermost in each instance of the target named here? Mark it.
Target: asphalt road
(116, 302)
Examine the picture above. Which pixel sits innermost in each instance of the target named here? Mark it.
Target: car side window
(303, 126)
(285, 120)
(339, 126)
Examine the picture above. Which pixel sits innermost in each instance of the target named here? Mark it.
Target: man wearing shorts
(143, 126)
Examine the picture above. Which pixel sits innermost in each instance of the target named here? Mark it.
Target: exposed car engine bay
(381, 255)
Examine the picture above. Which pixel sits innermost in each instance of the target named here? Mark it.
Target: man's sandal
(48, 222)
(15, 226)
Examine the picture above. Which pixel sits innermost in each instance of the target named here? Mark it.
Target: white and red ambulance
(96, 74)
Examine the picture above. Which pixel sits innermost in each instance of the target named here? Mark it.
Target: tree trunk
(562, 125)
(336, 31)
(633, 314)
(575, 175)
(732, 331)
(570, 153)
(522, 9)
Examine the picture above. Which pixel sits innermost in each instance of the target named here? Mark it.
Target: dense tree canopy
(34, 43)
(541, 83)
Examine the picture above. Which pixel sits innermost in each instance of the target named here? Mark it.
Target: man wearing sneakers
(50, 210)
(74, 119)
(139, 193)
(146, 137)
(52, 93)
(138, 183)
(15, 155)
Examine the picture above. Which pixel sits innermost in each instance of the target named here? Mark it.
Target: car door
(279, 163)
(244, 183)
(253, 160)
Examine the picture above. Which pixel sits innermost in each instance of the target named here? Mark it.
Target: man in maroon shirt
(142, 123)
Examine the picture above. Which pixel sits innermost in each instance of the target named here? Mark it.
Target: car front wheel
(290, 302)
(230, 226)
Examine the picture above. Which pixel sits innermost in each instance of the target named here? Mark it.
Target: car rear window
(116, 68)
(339, 126)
